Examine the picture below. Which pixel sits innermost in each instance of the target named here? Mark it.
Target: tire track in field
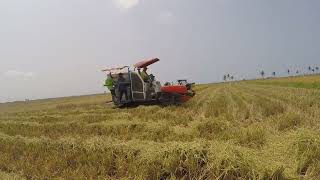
(245, 109)
(275, 142)
(301, 97)
(237, 107)
(290, 108)
(201, 104)
(257, 107)
(305, 103)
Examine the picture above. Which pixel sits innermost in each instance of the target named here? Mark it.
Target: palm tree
(274, 74)
(297, 72)
(262, 73)
(231, 78)
(317, 68)
(313, 70)
(288, 71)
(309, 68)
(225, 77)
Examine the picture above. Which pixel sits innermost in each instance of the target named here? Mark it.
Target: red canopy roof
(146, 63)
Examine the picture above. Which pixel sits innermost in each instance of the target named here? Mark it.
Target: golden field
(263, 129)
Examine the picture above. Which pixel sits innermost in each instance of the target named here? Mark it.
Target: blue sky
(57, 48)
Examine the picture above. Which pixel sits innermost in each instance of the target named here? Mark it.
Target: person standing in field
(109, 83)
(144, 75)
(122, 87)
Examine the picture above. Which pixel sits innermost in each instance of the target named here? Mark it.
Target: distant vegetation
(311, 70)
(263, 129)
(311, 82)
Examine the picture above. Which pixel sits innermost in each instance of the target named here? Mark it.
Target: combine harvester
(146, 92)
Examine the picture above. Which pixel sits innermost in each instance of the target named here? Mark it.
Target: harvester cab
(145, 89)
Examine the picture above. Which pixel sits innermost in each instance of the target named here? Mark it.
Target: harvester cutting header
(135, 87)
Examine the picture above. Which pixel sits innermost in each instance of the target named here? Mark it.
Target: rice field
(307, 81)
(239, 130)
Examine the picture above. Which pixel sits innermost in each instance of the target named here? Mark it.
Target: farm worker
(144, 75)
(110, 84)
(122, 86)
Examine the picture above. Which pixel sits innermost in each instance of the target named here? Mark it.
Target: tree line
(311, 70)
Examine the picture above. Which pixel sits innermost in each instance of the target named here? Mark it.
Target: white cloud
(125, 4)
(19, 74)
